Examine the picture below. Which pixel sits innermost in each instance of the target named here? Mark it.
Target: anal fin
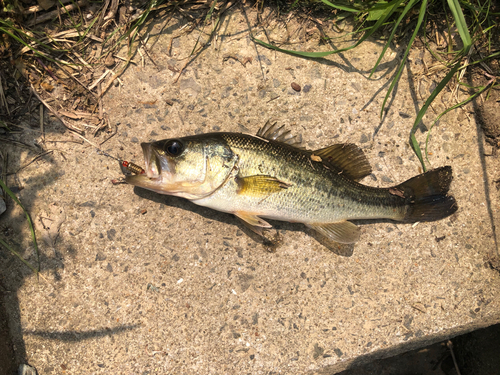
(341, 232)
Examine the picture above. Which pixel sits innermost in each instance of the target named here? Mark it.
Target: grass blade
(396, 24)
(463, 30)
(423, 110)
(8, 247)
(421, 15)
(476, 94)
(390, 8)
(341, 7)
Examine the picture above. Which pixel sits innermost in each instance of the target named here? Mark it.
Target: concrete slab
(140, 283)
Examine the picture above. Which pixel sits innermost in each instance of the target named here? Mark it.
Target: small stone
(100, 257)
(190, 84)
(307, 88)
(296, 86)
(364, 138)
(110, 61)
(264, 59)
(111, 234)
(134, 140)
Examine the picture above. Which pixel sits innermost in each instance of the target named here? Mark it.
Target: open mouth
(151, 159)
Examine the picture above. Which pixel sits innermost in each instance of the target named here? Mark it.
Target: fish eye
(174, 147)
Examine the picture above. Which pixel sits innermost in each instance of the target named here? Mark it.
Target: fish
(272, 176)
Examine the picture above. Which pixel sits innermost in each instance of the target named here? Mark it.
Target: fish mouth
(158, 171)
(152, 161)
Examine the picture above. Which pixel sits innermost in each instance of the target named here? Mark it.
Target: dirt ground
(140, 283)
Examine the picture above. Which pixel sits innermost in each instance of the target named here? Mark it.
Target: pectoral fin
(253, 222)
(342, 232)
(259, 186)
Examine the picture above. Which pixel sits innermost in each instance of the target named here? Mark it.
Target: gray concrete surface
(182, 289)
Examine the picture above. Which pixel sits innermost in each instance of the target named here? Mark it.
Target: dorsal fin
(347, 158)
(274, 132)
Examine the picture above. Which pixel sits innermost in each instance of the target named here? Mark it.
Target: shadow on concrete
(80, 335)
(14, 231)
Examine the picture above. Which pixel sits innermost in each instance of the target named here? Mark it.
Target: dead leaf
(46, 4)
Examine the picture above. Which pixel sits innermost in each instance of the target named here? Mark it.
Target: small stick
(3, 101)
(449, 344)
(78, 131)
(101, 110)
(38, 8)
(147, 52)
(55, 13)
(41, 120)
(99, 79)
(32, 161)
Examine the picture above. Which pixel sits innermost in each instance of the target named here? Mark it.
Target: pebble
(264, 59)
(134, 140)
(307, 88)
(189, 84)
(296, 86)
(110, 61)
(364, 138)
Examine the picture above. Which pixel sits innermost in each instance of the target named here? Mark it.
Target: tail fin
(427, 195)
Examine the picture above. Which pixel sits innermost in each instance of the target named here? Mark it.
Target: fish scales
(315, 194)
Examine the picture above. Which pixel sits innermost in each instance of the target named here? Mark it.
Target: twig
(41, 120)
(78, 131)
(38, 8)
(101, 110)
(74, 78)
(449, 344)
(31, 161)
(99, 79)
(19, 143)
(3, 101)
(115, 76)
(112, 135)
(147, 52)
(48, 16)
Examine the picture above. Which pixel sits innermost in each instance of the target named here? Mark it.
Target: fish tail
(427, 195)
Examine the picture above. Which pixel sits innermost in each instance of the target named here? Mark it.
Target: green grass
(474, 29)
(474, 20)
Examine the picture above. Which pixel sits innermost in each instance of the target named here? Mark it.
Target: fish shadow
(271, 239)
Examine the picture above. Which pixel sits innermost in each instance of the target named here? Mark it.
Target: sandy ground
(140, 283)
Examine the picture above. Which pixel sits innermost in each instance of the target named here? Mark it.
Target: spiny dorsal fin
(259, 186)
(347, 158)
(274, 132)
(342, 232)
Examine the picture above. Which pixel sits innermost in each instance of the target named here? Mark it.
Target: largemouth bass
(271, 176)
